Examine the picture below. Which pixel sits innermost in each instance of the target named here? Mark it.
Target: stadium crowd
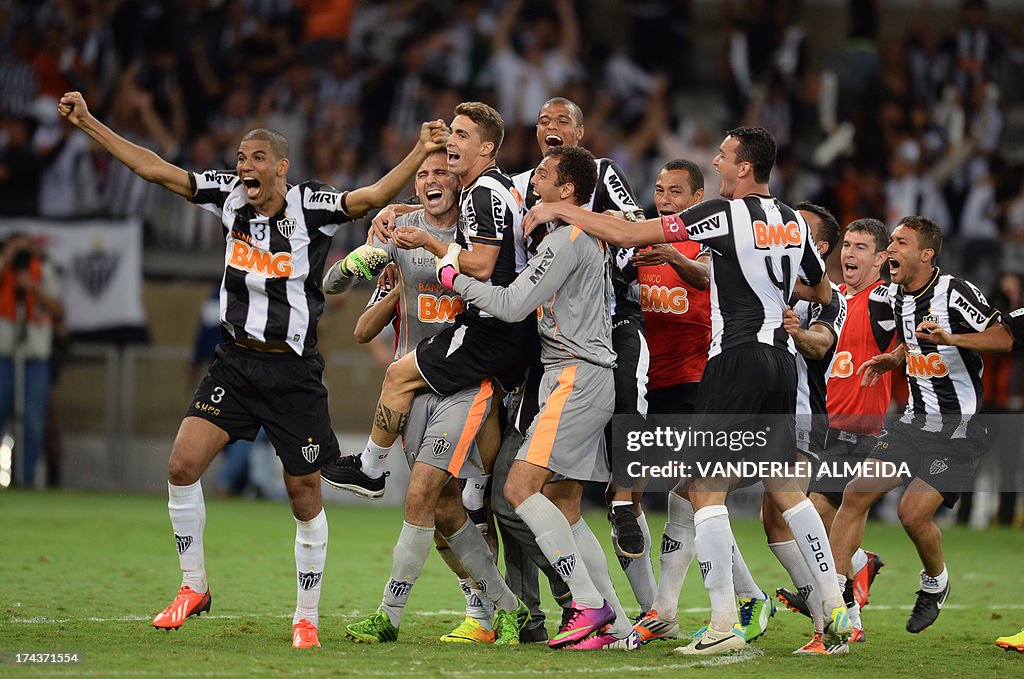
(884, 123)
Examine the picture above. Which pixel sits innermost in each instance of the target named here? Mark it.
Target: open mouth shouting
(252, 186)
(433, 196)
(552, 140)
(894, 267)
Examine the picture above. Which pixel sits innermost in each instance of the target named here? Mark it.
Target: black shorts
(944, 463)
(632, 359)
(474, 348)
(244, 390)
(840, 447)
(751, 388)
(679, 399)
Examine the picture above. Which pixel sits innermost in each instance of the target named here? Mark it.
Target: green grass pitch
(86, 573)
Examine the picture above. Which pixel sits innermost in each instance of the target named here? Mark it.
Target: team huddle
(529, 311)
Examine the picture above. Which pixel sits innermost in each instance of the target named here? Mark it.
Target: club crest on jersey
(668, 545)
(308, 581)
(565, 565)
(441, 446)
(399, 589)
(311, 451)
(184, 542)
(931, 317)
(937, 467)
(777, 235)
(286, 226)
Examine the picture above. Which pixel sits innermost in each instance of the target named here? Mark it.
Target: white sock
(473, 493)
(933, 584)
(677, 551)
(310, 557)
(478, 606)
(410, 553)
(468, 545)
(859, 560)
(742, 580)
(812, 540)
(374, 459)
(792, 560)
(554, 537)
(621, 503)
(639, 571)
(714, 542)
(187, 509)
(597, 565)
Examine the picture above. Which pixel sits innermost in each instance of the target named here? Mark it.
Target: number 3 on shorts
(217, 395)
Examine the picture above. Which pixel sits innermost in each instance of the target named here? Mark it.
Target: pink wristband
(448, 274)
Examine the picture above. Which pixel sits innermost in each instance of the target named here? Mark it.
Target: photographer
(28, 306)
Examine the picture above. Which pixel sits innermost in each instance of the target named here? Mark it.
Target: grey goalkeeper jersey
(425, 308)
(567, 285)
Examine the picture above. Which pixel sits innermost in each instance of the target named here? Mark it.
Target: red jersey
(869, 331)
(677, 320)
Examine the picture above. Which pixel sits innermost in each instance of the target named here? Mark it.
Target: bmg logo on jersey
(270, 264)
(777, 235)
(842, 365)
(663, 299)
(438, 309)
(926, 366)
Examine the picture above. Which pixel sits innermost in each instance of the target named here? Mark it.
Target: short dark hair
(577, 112)
(490, 122)
(929, 235)
(829, 224)
(873, 227)
(696, 176)
(577, 166)
(757, 147)
(278, 142)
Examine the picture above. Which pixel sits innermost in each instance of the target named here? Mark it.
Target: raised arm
(433, 135)
(139, 160)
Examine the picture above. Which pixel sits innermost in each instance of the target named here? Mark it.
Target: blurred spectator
(29, 303)
(21, 167)
(908, 192)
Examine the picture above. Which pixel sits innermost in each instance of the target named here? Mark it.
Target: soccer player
(477, 345)
(998, 337)
(268, 373)
(938, 437)
(759, 246)
(560, 123)
(815, 329)
(565, 285)
(677, 312)
(440, 432)
(856, 414)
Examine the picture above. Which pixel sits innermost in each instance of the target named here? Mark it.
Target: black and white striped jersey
(1014, 322)
(611, 193)
(944, 380)
(273, 265)
(491, 212)
(813, 373)
(759, 246)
